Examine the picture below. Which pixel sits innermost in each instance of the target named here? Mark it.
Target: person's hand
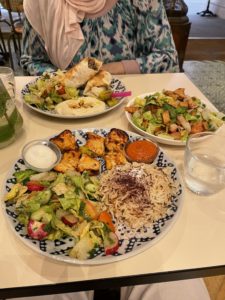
(114, 68)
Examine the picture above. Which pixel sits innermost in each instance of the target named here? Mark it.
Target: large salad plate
(158, 139)
(128, 246)
(116, 86)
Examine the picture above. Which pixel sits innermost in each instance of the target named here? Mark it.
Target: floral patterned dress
(133, 30)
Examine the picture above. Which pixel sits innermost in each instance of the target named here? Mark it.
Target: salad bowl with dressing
(169, 117)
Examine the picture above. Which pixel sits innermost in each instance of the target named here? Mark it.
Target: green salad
(48, 91)
(52, 205)
(173, 115)
(51, 89)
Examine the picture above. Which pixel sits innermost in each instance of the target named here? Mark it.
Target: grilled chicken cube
(171, 94)
(65, 141)
(177, 94)
(114, 158)
(116, 140)
(180, 93)
(166, 117)
(131, 109)
(68, 162)
(87, 163)
(95, 143)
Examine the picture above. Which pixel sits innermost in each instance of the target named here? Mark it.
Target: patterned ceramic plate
(128, 246)
(116, 86)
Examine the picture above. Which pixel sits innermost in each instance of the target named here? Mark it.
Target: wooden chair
(180, 30)
(3, 49)
(177, 15)
(15, 25)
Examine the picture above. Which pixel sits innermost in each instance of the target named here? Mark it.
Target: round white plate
(153, 137)
(116, 86)
(128, 247)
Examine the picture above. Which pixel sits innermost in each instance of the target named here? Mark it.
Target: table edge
(116, 282)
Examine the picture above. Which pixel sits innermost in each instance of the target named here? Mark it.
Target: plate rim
(105, 259)
(49, 114)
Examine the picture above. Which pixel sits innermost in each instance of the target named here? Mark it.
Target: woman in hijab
(129, 36)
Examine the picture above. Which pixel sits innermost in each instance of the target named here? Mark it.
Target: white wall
(218, 7)
(195, 6)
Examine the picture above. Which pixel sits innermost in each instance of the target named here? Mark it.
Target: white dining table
(193, 247)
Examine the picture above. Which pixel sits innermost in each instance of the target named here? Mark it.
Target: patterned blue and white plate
(116, 86)
(128, 247)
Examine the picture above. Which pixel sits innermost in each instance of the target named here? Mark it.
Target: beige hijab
(57, 22)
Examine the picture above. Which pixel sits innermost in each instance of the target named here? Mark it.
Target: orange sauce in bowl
(141, 151)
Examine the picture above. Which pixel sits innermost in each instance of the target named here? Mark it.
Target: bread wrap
(82, 72)
(100, 82)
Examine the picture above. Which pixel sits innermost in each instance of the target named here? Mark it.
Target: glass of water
(10, 119)
(7, 76)
(204, 163)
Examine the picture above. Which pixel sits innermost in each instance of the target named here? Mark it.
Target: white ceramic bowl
(46, 143)
(153, 137)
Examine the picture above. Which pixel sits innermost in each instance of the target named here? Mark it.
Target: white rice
(136, 194)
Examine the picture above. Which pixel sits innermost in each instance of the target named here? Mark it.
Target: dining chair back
(16, 26)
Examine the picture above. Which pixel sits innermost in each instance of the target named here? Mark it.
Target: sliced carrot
(197, 127)
(105, 218)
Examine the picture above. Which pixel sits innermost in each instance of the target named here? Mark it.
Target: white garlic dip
(80, 107)
(40, 156)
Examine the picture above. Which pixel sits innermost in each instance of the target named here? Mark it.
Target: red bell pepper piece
(34, 186)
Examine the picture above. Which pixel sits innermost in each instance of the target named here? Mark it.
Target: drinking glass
(7, 76)
(10, 118)
(204, 163)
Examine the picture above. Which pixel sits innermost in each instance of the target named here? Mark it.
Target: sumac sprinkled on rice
(136, 194)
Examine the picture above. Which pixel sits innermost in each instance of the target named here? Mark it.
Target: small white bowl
(145, 161)
(45, 152)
